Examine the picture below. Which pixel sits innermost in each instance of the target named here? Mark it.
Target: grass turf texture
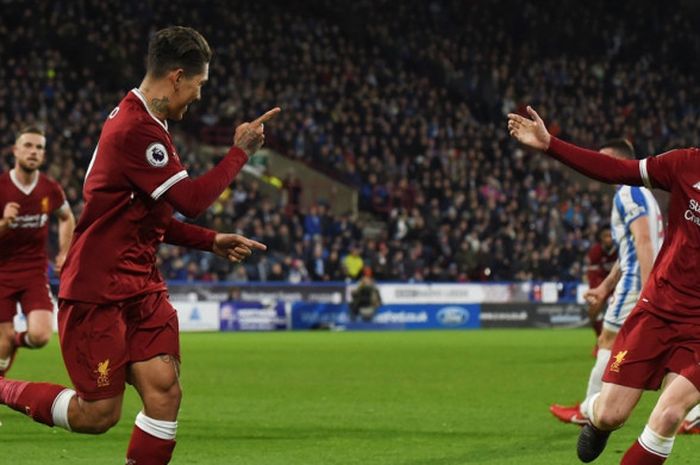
(411, 398)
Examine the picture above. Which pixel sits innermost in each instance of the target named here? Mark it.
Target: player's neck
(25, 177)
(156, 98)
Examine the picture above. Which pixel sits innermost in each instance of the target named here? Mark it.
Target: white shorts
(620, 305)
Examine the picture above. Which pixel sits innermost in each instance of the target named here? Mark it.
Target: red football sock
(638, 455)
(21, 340)
(32, 399)
(145, 449)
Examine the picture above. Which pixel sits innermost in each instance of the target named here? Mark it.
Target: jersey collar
(26, 189)
(139, 94)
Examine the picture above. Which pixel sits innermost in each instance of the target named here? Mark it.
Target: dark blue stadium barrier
(319, 316)
(387, 317)
(252, 316)
(445, 316)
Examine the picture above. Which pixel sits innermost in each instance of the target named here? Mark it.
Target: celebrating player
(661, 337)
(28, 198)
(638, 232)
(115, 321)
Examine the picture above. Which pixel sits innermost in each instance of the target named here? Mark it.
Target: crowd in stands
(404, 101)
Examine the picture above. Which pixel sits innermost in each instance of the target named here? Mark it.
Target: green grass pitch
(374, 398)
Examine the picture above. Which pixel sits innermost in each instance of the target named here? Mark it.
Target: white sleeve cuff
(170, 182)
(65, 207)
(644, 173)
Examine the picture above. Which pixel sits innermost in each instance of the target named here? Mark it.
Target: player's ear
(176, 77)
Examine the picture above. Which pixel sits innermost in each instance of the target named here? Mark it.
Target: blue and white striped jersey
(630, 203)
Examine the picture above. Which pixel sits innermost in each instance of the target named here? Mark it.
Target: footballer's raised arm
(596, 165)
(533, 133)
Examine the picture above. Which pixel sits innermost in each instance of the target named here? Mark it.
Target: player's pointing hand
(249, 137)
(235, 247)
(530, 132)
(266, 117)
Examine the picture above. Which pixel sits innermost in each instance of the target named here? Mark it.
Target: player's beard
(28, 169)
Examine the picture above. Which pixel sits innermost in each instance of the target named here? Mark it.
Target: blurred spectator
(292, 189)
(312, 223)
(353, 263)
(276, 273)
(365, 298)
(297, 271)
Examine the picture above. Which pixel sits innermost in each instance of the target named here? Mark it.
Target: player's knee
(610, 419)
(671, 416)
(159, 386)
(103, 421)
(95, 417)
(164, 400)
(40, 337)
(104, 424)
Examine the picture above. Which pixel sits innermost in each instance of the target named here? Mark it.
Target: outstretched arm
(233, 247)
(189, 235)
(533, 133)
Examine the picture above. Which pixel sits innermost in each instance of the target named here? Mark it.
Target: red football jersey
(113, 253)
(23, 248)
(600, 263)
(673, 290)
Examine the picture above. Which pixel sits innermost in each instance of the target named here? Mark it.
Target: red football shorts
(649, 347)
(32, 294)
(99, 342)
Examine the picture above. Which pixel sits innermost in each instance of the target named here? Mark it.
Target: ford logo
(453, 316)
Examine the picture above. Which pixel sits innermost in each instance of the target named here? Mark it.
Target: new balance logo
(696, 186)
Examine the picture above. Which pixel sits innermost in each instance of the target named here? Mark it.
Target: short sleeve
(58, 198)
(662, 170)
(631, 204)
(150, 160)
